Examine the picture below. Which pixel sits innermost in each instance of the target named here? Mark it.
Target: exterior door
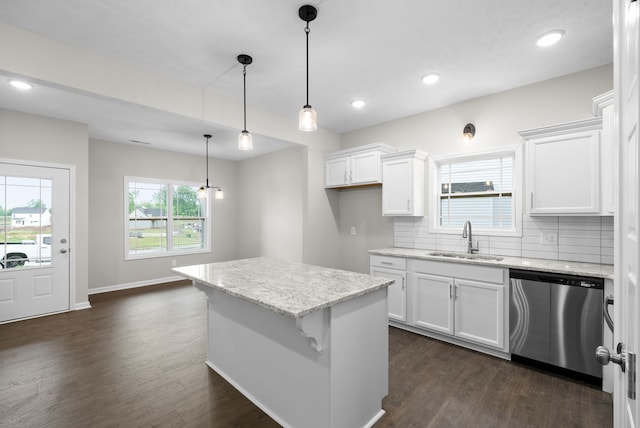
(34, 236)
(627, 292)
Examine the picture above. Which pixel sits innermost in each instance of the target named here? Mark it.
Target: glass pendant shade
(202, 192)
(307, 119)
(245, 141)
(219, 194)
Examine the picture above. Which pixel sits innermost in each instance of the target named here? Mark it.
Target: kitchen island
(306, 344)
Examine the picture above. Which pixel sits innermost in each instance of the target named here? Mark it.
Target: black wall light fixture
(308, 118)
(203, 190)
(468, 133)
(245, 141)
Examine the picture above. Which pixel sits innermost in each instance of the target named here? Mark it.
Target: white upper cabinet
(563, 168)
(357, 166)
(403, 186)
(603, 107)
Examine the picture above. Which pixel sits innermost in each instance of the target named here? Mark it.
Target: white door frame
(626, 411)
(72, 224)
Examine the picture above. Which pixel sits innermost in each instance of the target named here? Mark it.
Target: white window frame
(434, 193)
(168, 253)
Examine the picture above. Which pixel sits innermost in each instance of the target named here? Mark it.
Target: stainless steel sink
(465, 256)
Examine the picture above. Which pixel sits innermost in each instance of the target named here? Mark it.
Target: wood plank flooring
(136, 359)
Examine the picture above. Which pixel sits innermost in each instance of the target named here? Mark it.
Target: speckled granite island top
(542, 265)
(290, 289)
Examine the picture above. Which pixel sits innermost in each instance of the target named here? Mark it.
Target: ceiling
(374, 50)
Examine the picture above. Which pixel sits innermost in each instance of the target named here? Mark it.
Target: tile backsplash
(578, 239)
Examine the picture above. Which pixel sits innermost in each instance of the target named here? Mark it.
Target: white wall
(28, 54)
(497, 119)
(41, 139)
(108, 164)
(270, 205)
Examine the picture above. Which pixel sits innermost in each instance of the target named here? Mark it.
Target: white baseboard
(134, 284)
(82, 305)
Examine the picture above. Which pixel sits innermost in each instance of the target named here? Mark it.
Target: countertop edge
(542, 265)
(384, 282)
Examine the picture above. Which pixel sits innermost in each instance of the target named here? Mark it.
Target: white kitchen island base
(328, 368)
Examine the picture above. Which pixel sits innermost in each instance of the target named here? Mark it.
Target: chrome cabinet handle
(63, 250)
(531, 200)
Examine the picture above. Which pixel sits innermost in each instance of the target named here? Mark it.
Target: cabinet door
(479, 312)
(336, 172)
(396, 293)
(432, 308)
(397, 187)
(365, 168)
(564, 174)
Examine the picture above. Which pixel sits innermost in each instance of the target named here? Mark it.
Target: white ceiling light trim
(19, 84)
(358, 103)
(550, 38)
(430, 79)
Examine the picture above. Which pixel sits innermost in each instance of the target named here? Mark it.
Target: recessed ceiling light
(358, 103)
(550, 38)
(430, 79)
(19, 84)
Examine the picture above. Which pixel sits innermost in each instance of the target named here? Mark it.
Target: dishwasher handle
(608, 301)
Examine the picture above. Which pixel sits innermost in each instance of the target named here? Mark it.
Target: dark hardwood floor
(136, 359)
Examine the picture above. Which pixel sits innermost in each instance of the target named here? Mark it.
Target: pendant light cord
(207, 186)
(244, 90)
(306, 30)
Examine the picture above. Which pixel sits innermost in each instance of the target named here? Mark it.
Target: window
(481, 188)
(164, 218)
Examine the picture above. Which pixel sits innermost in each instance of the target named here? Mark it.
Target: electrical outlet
(548, 238)
(174, 263)
(353, 230)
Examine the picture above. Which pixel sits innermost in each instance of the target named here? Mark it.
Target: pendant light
(245, 141)
(203, 190)
(307, 119)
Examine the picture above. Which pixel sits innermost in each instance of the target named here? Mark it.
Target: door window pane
(26, 221)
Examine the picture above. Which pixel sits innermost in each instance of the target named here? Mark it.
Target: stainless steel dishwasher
(556, 319)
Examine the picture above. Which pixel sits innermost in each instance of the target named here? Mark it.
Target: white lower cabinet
(469, 310)
(479, 312)
(432, 307)
(460, 300)
(461, 303)
(393, 268)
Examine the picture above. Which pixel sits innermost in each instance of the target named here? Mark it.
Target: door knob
(63, 250)
(603, 356)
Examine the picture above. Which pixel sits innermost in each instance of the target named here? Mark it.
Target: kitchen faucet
(470, 249)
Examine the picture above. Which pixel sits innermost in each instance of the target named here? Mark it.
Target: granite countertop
(542, 265)
(290, 289)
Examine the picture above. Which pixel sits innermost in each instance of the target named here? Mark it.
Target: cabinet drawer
(461, 270)
(389, 262)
